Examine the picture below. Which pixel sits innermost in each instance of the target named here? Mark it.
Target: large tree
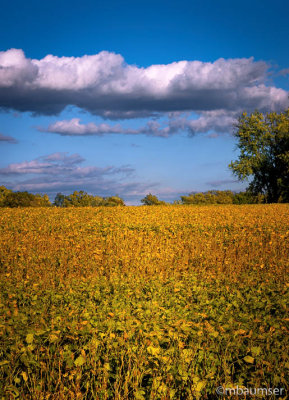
(263, 141)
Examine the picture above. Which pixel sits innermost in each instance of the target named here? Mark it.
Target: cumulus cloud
(8, 139)
(103, 84)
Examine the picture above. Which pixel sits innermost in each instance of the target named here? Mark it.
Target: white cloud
(105, 85)
(217, 121)
(73, 127)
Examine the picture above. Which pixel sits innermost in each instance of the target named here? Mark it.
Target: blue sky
(134, 97)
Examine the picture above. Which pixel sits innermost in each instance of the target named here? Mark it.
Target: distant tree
(263, 141)
(25, 199)
(194, 198)
(210, 197)
(97, 201)
(224, 196)
(18, 199)
(79, 199)
(151, 200)
(3, 194)
(187, 199)
(83, 199)
(59, 200)
(41, 201)
(248, 198)
(200, 198)
(113, 201)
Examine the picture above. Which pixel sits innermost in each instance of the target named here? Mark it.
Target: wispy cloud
(284, 72)
(8, 139)
(63, 172)
(221, 182)
(62, 165)
(103, 84)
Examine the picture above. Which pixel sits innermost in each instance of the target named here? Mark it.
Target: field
(165, 302)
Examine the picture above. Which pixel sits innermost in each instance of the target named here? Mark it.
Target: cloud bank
(104, 85)
(62, 172)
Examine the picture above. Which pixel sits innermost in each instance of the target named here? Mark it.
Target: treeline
(223, 197)
(8, 198)
(210, 197)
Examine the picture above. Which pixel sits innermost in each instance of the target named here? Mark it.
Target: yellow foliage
(49, 244)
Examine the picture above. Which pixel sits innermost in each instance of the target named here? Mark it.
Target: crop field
(164, 302)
